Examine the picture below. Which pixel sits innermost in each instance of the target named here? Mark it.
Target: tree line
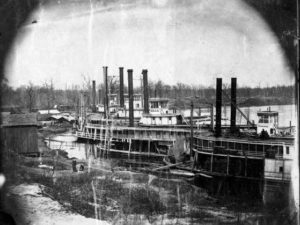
(32, 97)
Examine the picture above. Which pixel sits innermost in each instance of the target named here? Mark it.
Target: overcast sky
(190, 42)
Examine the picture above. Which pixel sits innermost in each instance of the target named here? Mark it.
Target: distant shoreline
(266, 101)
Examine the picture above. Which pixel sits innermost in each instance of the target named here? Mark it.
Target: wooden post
(192, 130)
(245, 165)
(141, 144)
(283, 169)
(227, 171)
(211, 162)
(148, 147)
(129, 148)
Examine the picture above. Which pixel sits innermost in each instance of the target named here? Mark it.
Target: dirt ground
(33, 208)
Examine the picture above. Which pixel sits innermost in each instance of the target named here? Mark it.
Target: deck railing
(137, 136)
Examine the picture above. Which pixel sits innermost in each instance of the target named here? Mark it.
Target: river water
(214, 210)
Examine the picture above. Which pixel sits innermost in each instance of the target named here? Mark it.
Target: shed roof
(13, 120)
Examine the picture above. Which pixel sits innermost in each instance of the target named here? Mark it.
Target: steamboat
(253, 159)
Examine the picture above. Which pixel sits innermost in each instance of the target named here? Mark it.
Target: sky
(191, 42)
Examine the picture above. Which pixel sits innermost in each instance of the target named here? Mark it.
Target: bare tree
(31, 96)
(49, 88)
(86, 88)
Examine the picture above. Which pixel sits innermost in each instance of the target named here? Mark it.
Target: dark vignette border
(281, 15)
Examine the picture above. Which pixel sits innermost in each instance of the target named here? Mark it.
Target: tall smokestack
(121, 87)
(106, 109)
(212, 117)
(218, 107)
(146, 93)
(99, 96)
(192, 130)
(94, 97)
(233, 105)
(130, 97)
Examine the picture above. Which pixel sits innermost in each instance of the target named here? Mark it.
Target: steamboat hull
(248, 168)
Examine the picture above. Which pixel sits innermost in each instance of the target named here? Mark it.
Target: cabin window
(280, 150)
(264, 119)
(287, 150)
(271, 130)
(154, 105)
(280, 169)
(231, 145)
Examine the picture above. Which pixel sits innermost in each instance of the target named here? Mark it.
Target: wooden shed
(19, 133)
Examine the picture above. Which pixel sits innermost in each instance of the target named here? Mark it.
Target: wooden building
(19, 133)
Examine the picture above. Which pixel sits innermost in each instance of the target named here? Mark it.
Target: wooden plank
(167, 166)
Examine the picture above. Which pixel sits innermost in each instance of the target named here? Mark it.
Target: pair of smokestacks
(130, 92)
(219, 107)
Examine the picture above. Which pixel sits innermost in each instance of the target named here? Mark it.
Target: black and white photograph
(164, 112)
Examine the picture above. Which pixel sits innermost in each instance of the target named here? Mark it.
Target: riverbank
(112, 193)
(117, 197)
(33, 207)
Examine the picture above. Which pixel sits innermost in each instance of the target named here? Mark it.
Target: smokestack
(146, 93)
(106, 110)
(94, 97)
(218, 107)
(233, 105)
(192, 130)
(121, 87)
(130, 97)
(212, 117)
(99, 96)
